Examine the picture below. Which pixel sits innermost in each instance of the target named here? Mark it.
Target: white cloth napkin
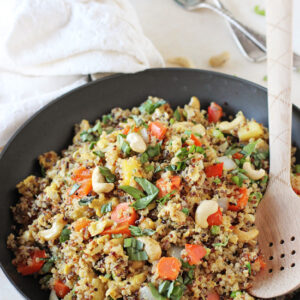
(47, 47)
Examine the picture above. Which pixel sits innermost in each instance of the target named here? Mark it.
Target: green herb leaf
(265, 179)
(149, 106)
(259, 11)
(232, 150)
(155, 292)
(165, 198)
(157, 169)
(147, 186)
(265, 78)
(164, 287)
(105, 208)
(215, 230)
(138, 121)
(185, 210)
(182, 153)
(137, 231)
(86, 200)
(64, 235)
(43, 171)
(85, 136)
(144, 158)
(153, 151)
(217, 180)
(171, 288)
(97, 128)
(47, 266)
(106, 118)
(135, 193)
(149, 168)
(108, 276)
(92, 145)
(143, 202)
(256, 196)
(99, 153)
(109, 176)
(249, 149)
(123, 144)
(74, 188)
(177, 115)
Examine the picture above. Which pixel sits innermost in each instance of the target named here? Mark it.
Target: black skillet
(52, 128)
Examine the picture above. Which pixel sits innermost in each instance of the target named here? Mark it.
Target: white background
(198, 36)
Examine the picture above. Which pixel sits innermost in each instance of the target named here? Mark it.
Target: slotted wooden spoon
(278, 215)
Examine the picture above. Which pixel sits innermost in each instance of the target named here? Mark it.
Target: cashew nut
(152, 248)
(136, 142)
(219, 60)
(99, 184)
(228, 126)
(204, 210)
(55, 230)
(181, 61)
(199, 129)
(194, 102)
(244, 236)
(252, 173)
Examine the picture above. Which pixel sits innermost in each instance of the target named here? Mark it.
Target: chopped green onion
(265, 78)
(217, 181)
(86, 200)
(234, 294)
(144, 158)
(149, 106)
(185, 210)
(117, 236)
(99, 153)
(248, 265)
(215, 230)
(217, 134)
(137, 231)
(153, 151)
(106, 118)
(259, 11)
(224, 244)
(182, 153)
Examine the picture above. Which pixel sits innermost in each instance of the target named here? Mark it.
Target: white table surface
(198, 36)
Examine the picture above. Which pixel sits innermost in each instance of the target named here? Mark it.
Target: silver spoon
(258, 39)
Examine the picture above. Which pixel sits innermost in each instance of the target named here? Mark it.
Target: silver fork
(256, 38)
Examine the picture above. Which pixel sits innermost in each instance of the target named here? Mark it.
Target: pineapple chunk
(131, 167)
(251, 130)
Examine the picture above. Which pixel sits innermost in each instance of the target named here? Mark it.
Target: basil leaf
(105, 208)
(149, 106)
(177, 115)
(153, 151)
(147, 186)
(135, 193)
(75, 187)
(249, 149)
(155, 292)
(109, 176)
(86, 200)
(97, 128)
(99, 153)
(47, 266)
(165, 198)
(144, 158)
(123, 144)
(106, 118)
(182, 153)
(143, 202)
(65, 234)
(137, 231)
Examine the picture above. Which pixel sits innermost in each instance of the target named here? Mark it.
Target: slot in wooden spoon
(277, 216)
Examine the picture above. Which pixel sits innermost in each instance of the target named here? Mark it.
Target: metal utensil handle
(258, 40)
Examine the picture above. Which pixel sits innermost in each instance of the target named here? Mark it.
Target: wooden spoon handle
(279, 45)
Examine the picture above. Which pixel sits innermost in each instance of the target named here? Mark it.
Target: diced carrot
(237, 155)
(123, 212)
(241, 201)
(80, 224)
(165, 187)
(61, 289)
(158, 130)
(168, 268)
(216, 218)
(213, 296)
(215, 112)
(261, 262)
(197, 142)
(35, 263)
(120, 228)
(214, 170)
(194, 253)
(81, 174)
(126, 130)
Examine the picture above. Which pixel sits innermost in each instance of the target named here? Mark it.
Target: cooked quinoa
(147, 203)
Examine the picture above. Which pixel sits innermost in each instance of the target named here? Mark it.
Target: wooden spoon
(278, 215)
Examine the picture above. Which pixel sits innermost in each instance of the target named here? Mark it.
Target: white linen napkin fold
(47, 47)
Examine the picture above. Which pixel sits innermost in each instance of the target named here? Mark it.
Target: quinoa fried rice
(147, 203)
